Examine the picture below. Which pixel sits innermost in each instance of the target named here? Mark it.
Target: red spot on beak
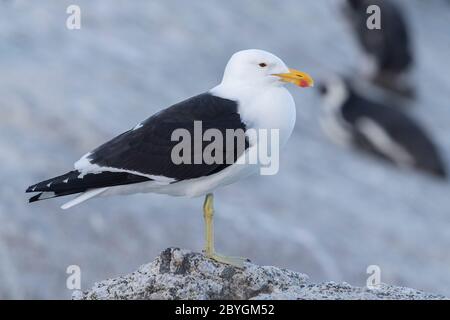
(303, 83)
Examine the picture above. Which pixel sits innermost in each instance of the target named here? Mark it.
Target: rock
(182, 274)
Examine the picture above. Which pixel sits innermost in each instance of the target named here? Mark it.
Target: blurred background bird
(329, 212)
(388, 51)
(351, 119)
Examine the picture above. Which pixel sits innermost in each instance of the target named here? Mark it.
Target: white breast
(270, 107)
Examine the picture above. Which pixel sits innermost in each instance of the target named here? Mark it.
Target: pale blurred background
(329, 213)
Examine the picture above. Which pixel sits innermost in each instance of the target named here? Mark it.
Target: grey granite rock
(182, 274)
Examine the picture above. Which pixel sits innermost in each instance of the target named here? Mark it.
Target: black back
(148, 149)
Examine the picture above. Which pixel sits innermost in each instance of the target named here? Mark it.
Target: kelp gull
(250, 96)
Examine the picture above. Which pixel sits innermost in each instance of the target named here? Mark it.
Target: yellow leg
(208, 214)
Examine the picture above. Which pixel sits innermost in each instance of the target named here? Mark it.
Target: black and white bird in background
(388, 51)
(251, 96)
(351, 119)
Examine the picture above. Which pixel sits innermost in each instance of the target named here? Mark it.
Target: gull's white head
(250, 67)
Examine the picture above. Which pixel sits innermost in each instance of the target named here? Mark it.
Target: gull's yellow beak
(296, 77)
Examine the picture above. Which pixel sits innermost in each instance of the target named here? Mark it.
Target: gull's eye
(263, 65)
(323, 89)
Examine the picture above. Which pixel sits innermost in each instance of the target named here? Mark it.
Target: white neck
(336, 96)
(262, 106)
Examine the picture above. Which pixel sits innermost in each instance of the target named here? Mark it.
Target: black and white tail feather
(74, 182)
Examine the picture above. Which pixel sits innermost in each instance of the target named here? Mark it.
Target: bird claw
(238, 262)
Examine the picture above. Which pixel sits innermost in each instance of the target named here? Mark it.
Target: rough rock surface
(182, 274)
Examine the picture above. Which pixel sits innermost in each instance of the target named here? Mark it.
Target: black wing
(147, 149)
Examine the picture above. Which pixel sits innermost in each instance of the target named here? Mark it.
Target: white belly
(192, 187)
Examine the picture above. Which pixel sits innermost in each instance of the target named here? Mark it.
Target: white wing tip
(67, 205)
(83, 197)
